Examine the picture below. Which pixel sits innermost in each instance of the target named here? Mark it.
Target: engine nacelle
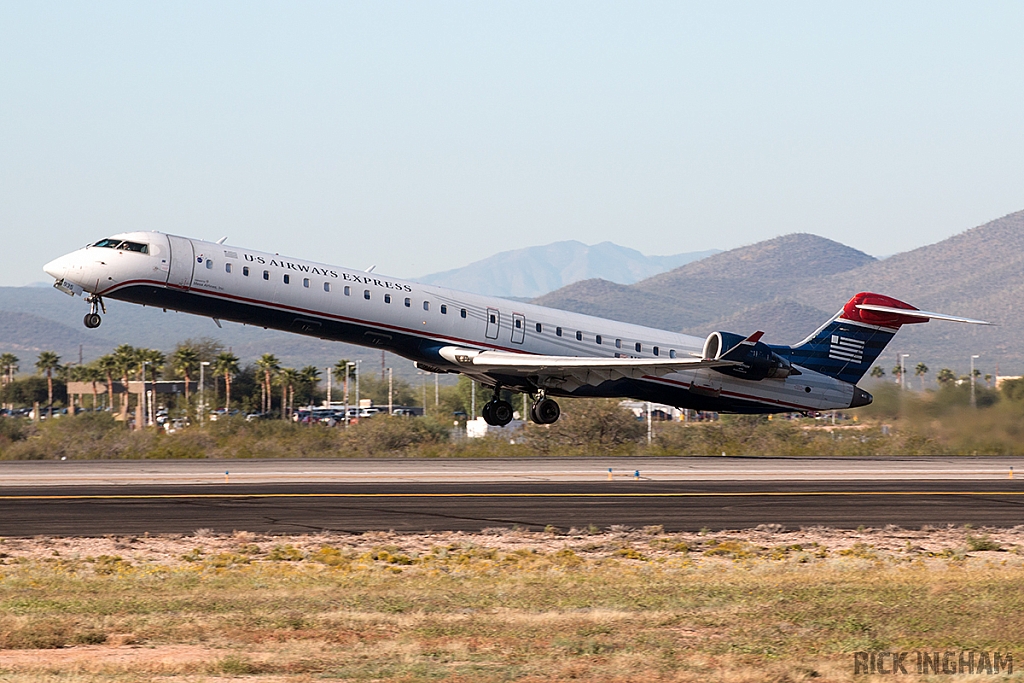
(757, 360)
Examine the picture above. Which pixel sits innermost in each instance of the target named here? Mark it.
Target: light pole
(391, 393)
(974, 402)
(359, 405)
(329, 373)
(437, 392)
(348, 364)
(903, 370)
(143, 396)
(202, 391)
(472, 399)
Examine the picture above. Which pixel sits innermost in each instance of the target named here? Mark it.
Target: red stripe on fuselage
(415, 333)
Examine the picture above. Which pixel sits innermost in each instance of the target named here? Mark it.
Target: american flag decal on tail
(846, 349)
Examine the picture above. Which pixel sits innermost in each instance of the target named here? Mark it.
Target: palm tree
(9, 366)
(185, 361)
(343, 370)
(47, 363)
(288, 377)
(877, 372)
(269, 364)
(921, 370)
(226, 364)
(945, 376)
(310, 377)
(153, 358)
(93, 373)
(126, 362)
(108, 365)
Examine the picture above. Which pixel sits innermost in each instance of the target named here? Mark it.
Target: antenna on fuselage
(222, 239)
(370, 269)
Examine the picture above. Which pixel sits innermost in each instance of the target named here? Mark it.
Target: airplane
(546, 353)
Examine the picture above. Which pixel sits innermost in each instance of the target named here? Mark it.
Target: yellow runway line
(725, 494)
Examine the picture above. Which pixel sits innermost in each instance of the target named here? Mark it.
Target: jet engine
(757, 360)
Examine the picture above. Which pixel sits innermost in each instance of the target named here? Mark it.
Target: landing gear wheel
(487, 414)
(501, 413)
(545, 412)
(92, 320)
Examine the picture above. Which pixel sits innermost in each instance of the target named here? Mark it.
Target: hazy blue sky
(421, 136)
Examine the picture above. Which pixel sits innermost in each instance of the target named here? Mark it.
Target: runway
(87, 498)
(417, 507)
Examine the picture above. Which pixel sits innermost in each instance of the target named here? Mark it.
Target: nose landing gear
(92, 318)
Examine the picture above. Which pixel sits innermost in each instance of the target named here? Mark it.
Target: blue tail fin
(847, 345)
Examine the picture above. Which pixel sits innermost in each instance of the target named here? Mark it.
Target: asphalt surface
(76, 510)
(482, 470)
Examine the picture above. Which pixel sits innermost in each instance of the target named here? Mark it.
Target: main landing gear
(92, 318)
(498, 413)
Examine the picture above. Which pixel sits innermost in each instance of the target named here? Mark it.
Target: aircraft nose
(57, 267)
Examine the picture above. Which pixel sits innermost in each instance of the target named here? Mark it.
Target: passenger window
(387, 298)
(266, 274)
(539, 327)
(444, 310)
(287, 278)
(463, 312)
(639, 347)
(327, 286)
(597, 339)
(618, 343)
(227, 267)
(209, 264)
(426, 305)
(305, 282)
(655, 350)
(579, 336)
(348, 291)
(558, 331)
(519, 323)
(366, 294)
(671, 353)
(408, 302)
(245, 271)
(494, 318)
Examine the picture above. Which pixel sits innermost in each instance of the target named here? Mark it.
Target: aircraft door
(493, 323)
(518, 328)
(183, 260)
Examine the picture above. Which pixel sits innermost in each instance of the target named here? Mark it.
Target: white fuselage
(411, 319)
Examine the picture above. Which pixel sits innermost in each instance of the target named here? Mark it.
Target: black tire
(501, 412)
(92, 320)
(487, 413)
(545, 412)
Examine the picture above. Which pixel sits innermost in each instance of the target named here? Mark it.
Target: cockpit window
(123, 245)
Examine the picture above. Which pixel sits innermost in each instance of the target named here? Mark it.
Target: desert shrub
(588, 425)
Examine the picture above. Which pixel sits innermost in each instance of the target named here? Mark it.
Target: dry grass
(620, 605)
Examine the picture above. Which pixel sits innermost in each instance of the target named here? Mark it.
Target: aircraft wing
(569, 372)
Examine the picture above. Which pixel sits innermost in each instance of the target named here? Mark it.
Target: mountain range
(790, 285)
(532, 271)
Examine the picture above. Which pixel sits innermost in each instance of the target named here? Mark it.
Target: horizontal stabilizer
(914, 313)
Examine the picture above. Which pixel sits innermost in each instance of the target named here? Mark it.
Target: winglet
(756, 337)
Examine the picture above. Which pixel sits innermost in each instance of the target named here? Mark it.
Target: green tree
(877, 372)
(921, 370)
(126, 361)
(288, 377)
(47, 363)
(185, 361)
(226, 364)
(154, 362)
(945, 377)
(310, 378)
(108, 365)
(8, 366)
(268, 365)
